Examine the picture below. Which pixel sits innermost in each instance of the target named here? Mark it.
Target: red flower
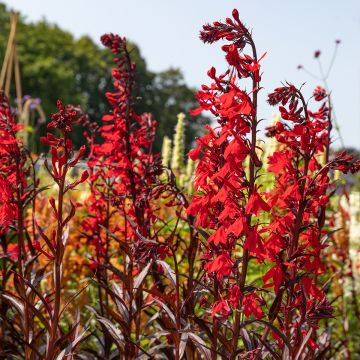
(278, 161)
(195, 153)
(231, 31)
(64, 118)
(250, 304)
(7, 208)
(256, 204)
(276, 274)
(221, 308)
(319, 93)
(239, 226)
(219, 236)
(222, 265)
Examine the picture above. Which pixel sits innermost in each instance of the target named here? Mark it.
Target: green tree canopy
(55, 65)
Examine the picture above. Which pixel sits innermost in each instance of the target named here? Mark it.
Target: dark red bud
(235, 15)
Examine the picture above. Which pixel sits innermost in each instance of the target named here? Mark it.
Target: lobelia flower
(123, 170)
(282, 226)
(227, 199)
(319, 93)
(301, 193)
(63, 118)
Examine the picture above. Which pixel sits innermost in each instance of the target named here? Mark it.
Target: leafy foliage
(117, 257)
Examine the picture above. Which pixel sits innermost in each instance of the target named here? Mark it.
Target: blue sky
(290, 31)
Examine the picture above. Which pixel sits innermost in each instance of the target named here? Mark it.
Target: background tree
(55, 65)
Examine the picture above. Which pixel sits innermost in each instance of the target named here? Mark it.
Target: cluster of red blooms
(10, 153)
(123, 171)
(280, 231)
(284, 226)
(229, 199)
(63, 159)
(296, 230)
(19, 188)
(15, 191)
(123, 167)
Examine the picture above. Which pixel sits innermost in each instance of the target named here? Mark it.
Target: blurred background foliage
(78, 71)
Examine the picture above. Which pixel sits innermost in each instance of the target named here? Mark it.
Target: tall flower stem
(58, 259)
(252, 178)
